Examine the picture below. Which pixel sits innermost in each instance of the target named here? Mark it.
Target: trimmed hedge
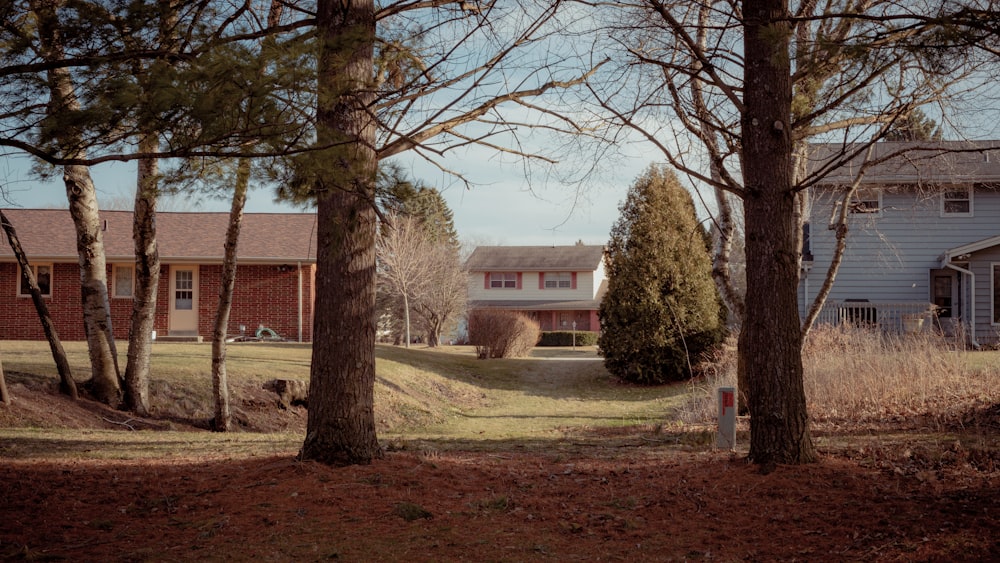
(565, 338)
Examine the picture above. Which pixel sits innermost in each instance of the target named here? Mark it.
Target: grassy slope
(420, 394)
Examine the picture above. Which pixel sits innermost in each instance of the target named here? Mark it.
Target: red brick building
(274, 276)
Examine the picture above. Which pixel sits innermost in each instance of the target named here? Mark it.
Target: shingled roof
(535, 258)
(48, 234)
(932, 162)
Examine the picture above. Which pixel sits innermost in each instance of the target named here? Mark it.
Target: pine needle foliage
(661, 311)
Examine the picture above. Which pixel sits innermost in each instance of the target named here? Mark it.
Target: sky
(502, 206)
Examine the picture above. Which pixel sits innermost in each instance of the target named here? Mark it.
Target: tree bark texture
(147, 281)
(67, 385)
(104, 382)
(770, 344)
(341, 421)
(220, 384)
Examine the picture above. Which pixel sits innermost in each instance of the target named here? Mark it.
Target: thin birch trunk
(147, 281)
(222, 420)
(220, 386)
(67, 385)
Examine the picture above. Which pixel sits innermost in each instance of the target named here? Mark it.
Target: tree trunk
(341, 422)
(104, 382)
(770, 344)
(220, 385)
(4, 394)
(147, 281)
(406, 317)
(433, 332)
(67, 385)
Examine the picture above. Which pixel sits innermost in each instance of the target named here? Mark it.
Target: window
(43, 277)
(554, 280)
(505, 280)
(956, 201)
(123, 279)
(184, 290)
(866, 200)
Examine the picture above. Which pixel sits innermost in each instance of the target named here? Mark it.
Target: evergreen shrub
(662, 311)
(565, 338)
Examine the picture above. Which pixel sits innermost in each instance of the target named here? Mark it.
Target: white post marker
(726, 437)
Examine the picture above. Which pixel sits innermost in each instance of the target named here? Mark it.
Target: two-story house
(559, 286)
(923, 229)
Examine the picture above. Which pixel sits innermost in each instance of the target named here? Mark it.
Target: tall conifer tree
(662, 309)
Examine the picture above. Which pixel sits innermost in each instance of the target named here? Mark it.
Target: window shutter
(541, 280)
(519, 280)
(486, 280)
(572, 282)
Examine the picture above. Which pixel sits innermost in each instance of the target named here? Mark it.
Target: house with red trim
(555, 285)
(276, 264)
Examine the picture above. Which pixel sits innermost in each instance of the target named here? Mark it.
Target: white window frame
(115, 289)
(952, 190)
(34, 270)
(864, 195)
(558, 280)
(503, 280)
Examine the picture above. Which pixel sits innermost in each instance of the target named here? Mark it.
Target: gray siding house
(923, 238)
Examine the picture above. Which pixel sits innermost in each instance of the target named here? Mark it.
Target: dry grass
(862, 376)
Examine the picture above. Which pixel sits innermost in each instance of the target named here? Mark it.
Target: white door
(184, 300)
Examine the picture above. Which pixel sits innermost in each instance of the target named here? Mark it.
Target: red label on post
(727, 400)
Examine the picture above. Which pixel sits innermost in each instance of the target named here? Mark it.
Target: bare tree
(731, 93)
(445, 297)
(404, 262)
(423, 272)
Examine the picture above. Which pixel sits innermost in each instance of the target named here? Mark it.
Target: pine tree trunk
(770, 342)
(220, 385)
(147, 282)
(341, 422)
(104, 382)
(67, 385)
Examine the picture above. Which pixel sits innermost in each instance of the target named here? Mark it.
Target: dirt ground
(625, 495)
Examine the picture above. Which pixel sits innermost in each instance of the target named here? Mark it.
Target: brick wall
(263, 295)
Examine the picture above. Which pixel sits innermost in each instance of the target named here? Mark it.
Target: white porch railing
(889, 316)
